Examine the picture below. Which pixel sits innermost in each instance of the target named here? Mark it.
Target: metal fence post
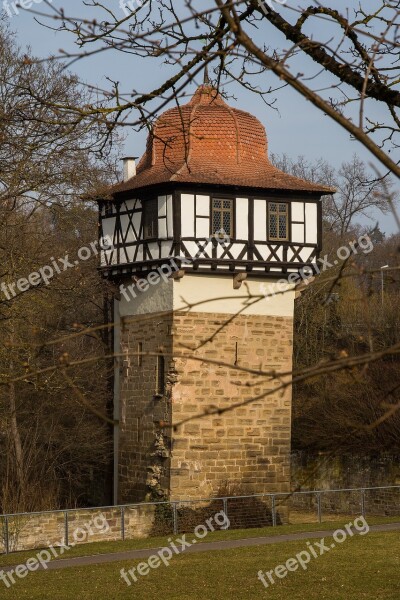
(66, 528)
(123, 523)
(319, 507)
(6, 535)
(363, 502)
(273, 510)
(225, 503)
(175, 517)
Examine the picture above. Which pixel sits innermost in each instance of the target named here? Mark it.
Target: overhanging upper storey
(205, 193)
(219, 230)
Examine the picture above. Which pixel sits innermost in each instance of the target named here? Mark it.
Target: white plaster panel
(162, 228)
(109, 228)
(191, 248)
(131, 204)
(242, 218)
(131, 253)
(165, 249)
(187, 215)
(202, 228)
(298, 211)
(260, 220)
(311, 223)
(170, 221)
(203, 206)
(197, 288)
(103, 255)
(154, 250)
(136, 220)
(279, 252)
(298, 233)
(156, 298)
(140, 253)
(127, 229)
(162, 206)
(305, 254)
(290, 254)
(236, 250)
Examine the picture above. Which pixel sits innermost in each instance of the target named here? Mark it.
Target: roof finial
(206, 77)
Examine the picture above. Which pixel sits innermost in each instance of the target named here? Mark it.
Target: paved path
(97, 559)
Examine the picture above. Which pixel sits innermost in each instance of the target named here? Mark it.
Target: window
(278, 221)
(150, 218)
(160, 375)
(222, 217)
(140, 354)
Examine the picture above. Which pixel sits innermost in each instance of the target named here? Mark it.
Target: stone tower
(202, 223)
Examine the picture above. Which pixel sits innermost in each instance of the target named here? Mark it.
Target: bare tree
(358, 191)
(348, 70)
(52, 446)
(348, 66)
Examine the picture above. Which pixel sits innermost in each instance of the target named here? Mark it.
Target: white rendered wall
(215, 292)
(222, 298)
(156, 298)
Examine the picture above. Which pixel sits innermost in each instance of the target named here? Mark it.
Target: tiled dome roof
(207, 141)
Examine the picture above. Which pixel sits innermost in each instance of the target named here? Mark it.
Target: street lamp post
(384, 267)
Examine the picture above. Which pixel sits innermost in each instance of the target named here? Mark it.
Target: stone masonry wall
(143, 444)
(26, 532)
(248, 447)
(344, 471)
(326, 472)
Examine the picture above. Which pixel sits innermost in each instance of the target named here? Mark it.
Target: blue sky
(298, 128)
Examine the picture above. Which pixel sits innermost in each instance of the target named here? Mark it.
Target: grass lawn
(16, 558)
(362, 567)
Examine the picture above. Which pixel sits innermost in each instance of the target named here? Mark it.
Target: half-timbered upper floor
(205, 190)
(214, 230)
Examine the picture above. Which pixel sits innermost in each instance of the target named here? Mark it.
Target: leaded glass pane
(278, 213)
(222, 216)
(282, 227)
(226, 222)
(273, 226)
(216, 221)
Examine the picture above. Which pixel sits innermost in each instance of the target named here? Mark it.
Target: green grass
(363, 567)
(157, 542)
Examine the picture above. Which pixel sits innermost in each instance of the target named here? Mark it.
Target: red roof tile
(207, 141)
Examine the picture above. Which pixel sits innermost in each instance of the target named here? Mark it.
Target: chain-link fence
(70, 527)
